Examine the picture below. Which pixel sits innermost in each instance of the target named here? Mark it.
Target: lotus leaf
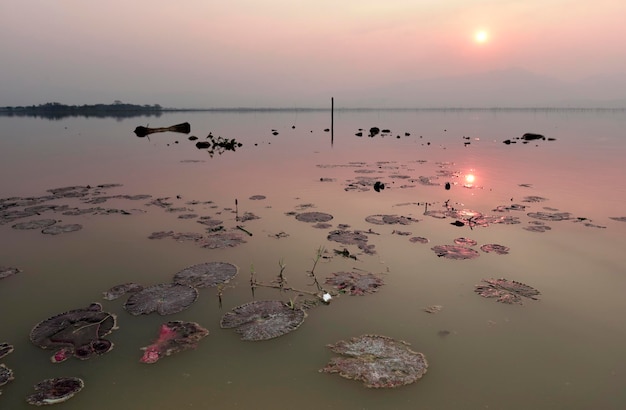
(59, 229)
(314, 217)
(355, 283)
(378, 361)
(174, 337)
(455, 252)
(5, 349)
(507, 291)
(78, 332)
(6, 375)
(493, 247)
(206, 274)
(120, 290)
(57, 390)
(36, 224)
(164, 298)
(263, 320)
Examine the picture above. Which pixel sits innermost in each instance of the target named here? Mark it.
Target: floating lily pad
(378, 361)
(389, 219)
(358, 238)
(418, 239)
(618, 218)
(36, 224)
(5, 349)
(257, 197)
(57, 390)
(6, 271)
(59, 229)
(6, 375)
(118, 291)
(495, 248)
(507, 291)
(533, 198)
(314, 217)
(161, 234)
(550, 216)
(465, 241)
(455, 252)
(263, 320)
(164, 298)
(174, 337)
(206, 274)
(222, 240)
(537, 228)
(78, 332)
(355, 283)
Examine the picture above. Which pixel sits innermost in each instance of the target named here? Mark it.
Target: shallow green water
(563, 351)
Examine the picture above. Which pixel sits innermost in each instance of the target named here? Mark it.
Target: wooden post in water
(332, 120)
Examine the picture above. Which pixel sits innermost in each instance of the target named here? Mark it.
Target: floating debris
(378, 361)
(465, 241)
(161, 234)
(164, 298)
(263, 320)
(174, 337)
(184, 128)
(207, 274)
(6, 271)
(495, 248)
(59, 229)
(455, 252)
(418, 239)
(433, 309)
(118, 291)
(355, 283)
(187, 216)
(36, 224)
(78, 332)
(57, 390)
(5, 349)
(507, 291)
(314, 217)
(390, 219)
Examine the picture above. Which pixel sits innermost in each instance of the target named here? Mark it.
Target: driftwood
(184, 128)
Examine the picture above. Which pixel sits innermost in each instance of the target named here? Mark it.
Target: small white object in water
(326, 297)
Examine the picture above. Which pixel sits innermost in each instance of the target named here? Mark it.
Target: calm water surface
(564, 351)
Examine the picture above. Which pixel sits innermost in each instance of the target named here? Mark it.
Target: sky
(286, 53)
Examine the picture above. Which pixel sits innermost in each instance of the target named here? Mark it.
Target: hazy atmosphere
(278, 53)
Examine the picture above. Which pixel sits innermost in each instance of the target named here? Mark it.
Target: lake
(558, 204)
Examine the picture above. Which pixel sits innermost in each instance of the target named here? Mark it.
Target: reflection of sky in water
(572, 265)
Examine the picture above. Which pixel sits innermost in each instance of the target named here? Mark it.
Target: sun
(481, 36)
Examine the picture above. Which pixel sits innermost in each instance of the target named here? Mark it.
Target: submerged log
(184, 128)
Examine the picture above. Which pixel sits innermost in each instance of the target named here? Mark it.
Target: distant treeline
(55, 110)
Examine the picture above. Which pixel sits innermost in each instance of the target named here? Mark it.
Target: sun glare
(481, 36)
(469, 178)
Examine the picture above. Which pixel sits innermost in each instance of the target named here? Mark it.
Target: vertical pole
(332, 120)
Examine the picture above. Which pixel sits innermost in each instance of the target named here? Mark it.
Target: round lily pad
(495, 248)
(57, 390)
(257, 197)
(378, 361)
(120, 290)
(418, 239)
(221, 240)
(389, 220)
(506, 291)
(263, 320)
(355, 283)
(550, 216)
(465, 241)
(206, 274)
(455, 252)
(6, 375)
(78, 332)
(314, 217)
(174, 337)
(5, 349)
(59, 229)
(6, 271)
(164, 298)
(36, 224)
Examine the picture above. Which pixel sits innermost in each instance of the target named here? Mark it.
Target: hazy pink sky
(209, 53)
